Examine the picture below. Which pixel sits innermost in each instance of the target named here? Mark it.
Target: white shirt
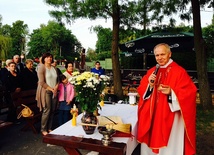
(51, 77)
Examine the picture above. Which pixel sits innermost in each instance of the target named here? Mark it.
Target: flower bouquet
(88, 87)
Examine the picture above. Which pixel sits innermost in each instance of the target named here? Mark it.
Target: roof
(182, 41)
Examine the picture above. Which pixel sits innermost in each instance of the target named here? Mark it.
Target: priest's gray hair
(163, 44)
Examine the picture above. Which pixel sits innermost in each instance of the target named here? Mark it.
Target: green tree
(5, 47)
(201, 54)
(6, 30)
(55, 38)
(143, 10)
(91, 55)
(153, 12)
(36, 45)
(91, 9)
(51, 36)
(104, 36)
(208, 33)
(150, 13)
(5, 41)
(18, 33)
(0, 21)
(103, 55)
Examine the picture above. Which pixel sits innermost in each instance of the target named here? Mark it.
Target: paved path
(16, 142)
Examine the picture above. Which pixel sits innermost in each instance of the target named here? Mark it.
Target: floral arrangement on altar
(88, 87)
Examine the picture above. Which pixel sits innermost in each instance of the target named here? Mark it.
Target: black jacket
(30, 79)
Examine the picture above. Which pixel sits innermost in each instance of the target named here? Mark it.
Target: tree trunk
(199, 45)
(115, 55)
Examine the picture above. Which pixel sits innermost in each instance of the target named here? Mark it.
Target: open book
(102, 121)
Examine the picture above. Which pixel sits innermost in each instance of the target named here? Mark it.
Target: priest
(167, 108)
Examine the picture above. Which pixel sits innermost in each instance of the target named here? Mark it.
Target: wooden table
(71, 144)
(74, 138)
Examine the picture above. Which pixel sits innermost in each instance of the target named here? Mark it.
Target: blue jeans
(64, 116)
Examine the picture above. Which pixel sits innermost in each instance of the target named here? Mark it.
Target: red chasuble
(155, 118)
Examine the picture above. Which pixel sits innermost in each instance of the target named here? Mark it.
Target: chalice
(107, 135)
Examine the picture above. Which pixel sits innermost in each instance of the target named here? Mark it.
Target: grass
(205, 120)
(205, 131)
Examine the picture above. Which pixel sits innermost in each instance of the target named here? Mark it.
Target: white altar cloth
(128, 114)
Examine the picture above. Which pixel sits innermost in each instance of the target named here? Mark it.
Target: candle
(74, 120)
(74, 112)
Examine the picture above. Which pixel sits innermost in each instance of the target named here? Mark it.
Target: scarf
(69, 72)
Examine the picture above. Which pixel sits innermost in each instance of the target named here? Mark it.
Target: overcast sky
(35, 12)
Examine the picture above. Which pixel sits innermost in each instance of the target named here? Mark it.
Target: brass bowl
(107, 135)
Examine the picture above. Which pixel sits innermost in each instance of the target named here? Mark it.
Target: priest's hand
(152, 79)
(165, 89)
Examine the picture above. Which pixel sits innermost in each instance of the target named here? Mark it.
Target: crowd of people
(53, 89)
(51, 84)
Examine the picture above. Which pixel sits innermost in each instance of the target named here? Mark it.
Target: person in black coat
(29, 76)
(4, 70)
(12, 83)
(19, 65)
(11, 80)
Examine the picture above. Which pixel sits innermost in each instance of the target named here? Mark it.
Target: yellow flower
(88, 87)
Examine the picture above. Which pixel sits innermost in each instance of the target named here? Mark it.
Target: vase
(91, 119)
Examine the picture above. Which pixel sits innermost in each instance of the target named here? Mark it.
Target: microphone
(156, 71)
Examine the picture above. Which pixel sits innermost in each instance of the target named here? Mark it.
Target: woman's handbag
(26, 112)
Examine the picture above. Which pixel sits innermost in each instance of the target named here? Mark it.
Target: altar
(67, 134)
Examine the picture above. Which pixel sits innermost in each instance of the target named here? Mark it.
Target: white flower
(72, 80)
(75, 73)
(89, 87)
(105, 77)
